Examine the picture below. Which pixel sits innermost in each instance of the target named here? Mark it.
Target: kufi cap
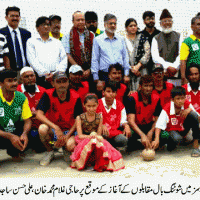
(165, 14)
(26, 69)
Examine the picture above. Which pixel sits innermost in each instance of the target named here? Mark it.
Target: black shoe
(171, 145)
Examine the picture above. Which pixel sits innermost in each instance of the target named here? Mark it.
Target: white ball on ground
(148, 154)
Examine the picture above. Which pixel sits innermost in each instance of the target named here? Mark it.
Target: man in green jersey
(15, 116)
(190, 48)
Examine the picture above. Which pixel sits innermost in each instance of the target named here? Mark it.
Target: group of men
(56, 71)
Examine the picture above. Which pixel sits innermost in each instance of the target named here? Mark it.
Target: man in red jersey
(193, 87)
(143, 109)
(161, 87)
(76, 83)
(57, 111)
(33, 92)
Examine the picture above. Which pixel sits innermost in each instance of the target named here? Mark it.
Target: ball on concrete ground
(148, 154)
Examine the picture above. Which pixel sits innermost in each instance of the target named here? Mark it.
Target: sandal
(195, 153)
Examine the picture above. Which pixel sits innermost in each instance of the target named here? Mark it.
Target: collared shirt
(163, 118)
(150, 36)
(24, 90)
(65, 41)
(189, 88)
(108, 51)
(193, 97)
(20, 42)
(26, 112)
(46, 56)
(3, 49)
(60, 38)
(123, 112)
(157, 59)
(185, 50)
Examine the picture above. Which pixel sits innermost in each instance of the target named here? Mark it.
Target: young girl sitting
(91, 148)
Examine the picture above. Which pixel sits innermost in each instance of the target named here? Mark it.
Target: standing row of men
(47, 55)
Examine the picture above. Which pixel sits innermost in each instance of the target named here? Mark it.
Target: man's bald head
(78, 19)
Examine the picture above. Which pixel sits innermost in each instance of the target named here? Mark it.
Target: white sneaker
(47, 158)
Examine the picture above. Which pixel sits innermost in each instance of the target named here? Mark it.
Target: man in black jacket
(16, 38)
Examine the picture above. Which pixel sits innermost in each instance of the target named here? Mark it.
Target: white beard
(110, 31)
(167, 30)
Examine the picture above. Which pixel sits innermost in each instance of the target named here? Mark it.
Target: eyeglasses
(13, 16)
(112, 23)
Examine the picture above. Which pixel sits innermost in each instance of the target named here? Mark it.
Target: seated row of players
(59, 107)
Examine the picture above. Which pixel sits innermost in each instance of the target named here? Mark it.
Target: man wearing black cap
(166, 46)
(91, 22)
(55, 26)
(57, 111)
(161, 87)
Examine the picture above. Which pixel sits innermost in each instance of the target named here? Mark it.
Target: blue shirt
(108, 51)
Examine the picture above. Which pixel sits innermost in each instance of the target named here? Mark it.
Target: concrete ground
(178, 162)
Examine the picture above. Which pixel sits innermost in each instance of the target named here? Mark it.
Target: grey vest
(168, 45)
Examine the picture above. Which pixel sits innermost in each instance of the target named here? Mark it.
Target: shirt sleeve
(33, 60)
(123, 117)
(162, 121)
(44, 103)
(158, 109)
(78, 109)
(184, 53)
(26, 111)
(125, 58)
(145, 58)
(62, 59)
(95, 59)
(65, 42)
(5, 50)
(125, 97)
(130, 106)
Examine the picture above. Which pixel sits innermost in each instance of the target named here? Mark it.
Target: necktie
(18, 52)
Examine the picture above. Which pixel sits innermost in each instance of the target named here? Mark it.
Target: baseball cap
(52, 17)
(75, 68)
(58, 75)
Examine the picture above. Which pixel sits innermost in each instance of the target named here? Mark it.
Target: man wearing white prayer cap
(33, 92)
